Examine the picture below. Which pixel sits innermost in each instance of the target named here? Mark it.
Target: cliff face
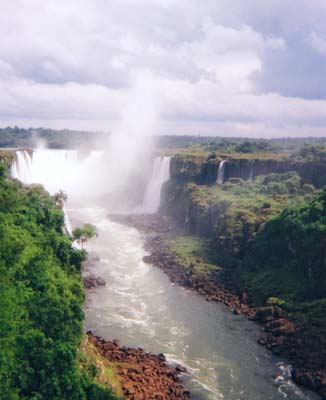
(178, 201)
(310, 172)
(227, 223)
(231, 214)
(193, 168)
(202, 171)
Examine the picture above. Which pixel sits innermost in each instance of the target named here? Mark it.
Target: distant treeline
(236, 144)
(58, 139)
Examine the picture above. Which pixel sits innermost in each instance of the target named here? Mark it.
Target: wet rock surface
(143, 375)
(92, 281)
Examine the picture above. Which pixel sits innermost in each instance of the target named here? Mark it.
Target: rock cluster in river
(143, 376)
(283, 338)
(91, 281)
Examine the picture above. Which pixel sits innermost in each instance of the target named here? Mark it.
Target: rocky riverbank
(90, 280)
(143, 376)
(279, 335)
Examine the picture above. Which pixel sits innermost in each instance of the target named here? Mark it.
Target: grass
(103, 372)
(256, 200)
(198, 152)
(195, 255)
(230, 215)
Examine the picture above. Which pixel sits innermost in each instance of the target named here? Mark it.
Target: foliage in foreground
(41, 318)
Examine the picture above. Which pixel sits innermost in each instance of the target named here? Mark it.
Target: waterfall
(220, 173)
(81, 175)
(22, 166)
(160, 174)
(66, 170)
(251, 174)
(68, 225)
(58, 170)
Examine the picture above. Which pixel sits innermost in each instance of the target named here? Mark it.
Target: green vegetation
(195, 255)
(81, 235)
(60, 198)
(240, 147)
(202, 154)
(6, 157)
(41, 318)
(63, 139)
(232, 213)
(287, 256)
(311, 152)
(101, 373)
(286, 259)
(21, 137)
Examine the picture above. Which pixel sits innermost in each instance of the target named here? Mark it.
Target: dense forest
(287, 256)
(41, 317)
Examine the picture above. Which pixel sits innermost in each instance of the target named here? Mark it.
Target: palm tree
(81, 235)
(60, 198)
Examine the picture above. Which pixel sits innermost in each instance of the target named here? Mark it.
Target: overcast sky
(217, 67)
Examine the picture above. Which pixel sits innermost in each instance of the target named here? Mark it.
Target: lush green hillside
(232, 213)
(41, 317)
(287, 261)
(288, 256)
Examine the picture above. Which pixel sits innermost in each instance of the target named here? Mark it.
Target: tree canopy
(81, 235)
(41, 316)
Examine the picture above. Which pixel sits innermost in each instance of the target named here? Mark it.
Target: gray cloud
(240, 65)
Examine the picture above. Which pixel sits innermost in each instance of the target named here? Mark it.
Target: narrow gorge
(138, 304)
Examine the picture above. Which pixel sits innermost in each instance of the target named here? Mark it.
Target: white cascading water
(220, 173)
(22, 166)
(59, 170)
(251, 175)
(81, 176)
(160, 174)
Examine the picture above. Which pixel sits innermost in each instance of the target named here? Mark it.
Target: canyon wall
(202, 171)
